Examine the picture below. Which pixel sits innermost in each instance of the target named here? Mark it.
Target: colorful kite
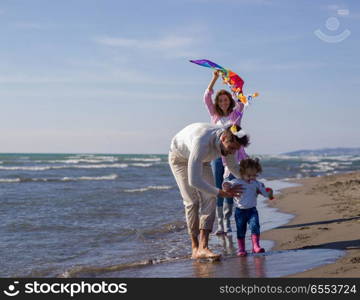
(233, 80)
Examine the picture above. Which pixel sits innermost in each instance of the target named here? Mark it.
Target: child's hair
(250, 163)
(218, 110)
(244, 141)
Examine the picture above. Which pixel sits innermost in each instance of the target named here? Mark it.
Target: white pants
(199, 206)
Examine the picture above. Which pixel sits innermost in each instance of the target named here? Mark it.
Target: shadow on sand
(339, 245)
(319, 223)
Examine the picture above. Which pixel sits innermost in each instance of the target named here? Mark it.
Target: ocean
(71, 215)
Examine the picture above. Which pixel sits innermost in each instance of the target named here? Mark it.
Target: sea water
(74, 215)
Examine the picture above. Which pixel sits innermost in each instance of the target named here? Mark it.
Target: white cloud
(187, 40)
(171, 45)
(116, 42)
(170, 42)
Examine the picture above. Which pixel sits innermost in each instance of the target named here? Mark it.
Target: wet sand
(327, 216)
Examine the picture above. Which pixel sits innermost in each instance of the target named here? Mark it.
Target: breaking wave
(81, 178)
(149, 188)
(45, 168)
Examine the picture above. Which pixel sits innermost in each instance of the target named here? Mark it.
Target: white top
(224, 121)
(199, 143)
(248, 198)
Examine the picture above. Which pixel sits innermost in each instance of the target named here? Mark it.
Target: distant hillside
(326, 152)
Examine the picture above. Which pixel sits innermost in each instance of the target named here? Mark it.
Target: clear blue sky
(113, 76)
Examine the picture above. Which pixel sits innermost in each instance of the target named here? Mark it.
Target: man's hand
(234, 191)
(226, 186)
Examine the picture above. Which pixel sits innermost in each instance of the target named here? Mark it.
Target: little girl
(246, 212)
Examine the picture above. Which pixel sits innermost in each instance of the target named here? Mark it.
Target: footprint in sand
(305, 227)
(355, 260)
(301, 237)
(323, 228)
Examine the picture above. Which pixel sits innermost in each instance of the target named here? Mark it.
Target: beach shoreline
(326, 213)
(301, 258)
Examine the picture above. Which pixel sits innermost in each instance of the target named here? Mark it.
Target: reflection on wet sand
(251, 266)
(268, 264)
(227, 243)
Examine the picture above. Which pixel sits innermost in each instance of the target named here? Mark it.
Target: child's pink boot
(255, 238)
(241, 244)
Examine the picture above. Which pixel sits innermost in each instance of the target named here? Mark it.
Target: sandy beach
(327, 216)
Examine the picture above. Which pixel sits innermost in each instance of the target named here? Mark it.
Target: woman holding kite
(224, 111)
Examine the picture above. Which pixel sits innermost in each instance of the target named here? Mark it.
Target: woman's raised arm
(208, 93)
(213, 80)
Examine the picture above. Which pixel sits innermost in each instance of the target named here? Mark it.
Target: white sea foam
(9, 180)
(145, 159)
(90, 158)
(342, 158)
(77, 161)
(142, 165)
(347, 163)
(44, 168)
(109, 177)
(100, 166)
(325, 166)
(311, 158)
(277, 156)
(151, 187)
(306, 165)
(354, 158)
(27, 168)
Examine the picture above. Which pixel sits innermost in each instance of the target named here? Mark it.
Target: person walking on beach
(190, 154)
(246, 212)
(224, 111)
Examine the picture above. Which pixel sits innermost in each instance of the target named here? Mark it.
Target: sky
(114, 76)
